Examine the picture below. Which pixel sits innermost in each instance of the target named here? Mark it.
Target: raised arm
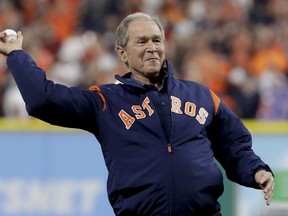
(53, 103)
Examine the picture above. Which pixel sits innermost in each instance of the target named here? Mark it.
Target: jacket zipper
(170, 162)
(169, 148)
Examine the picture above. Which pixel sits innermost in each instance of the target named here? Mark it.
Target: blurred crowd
(238, 48)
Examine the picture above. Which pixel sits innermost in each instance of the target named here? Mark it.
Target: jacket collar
(127, 78)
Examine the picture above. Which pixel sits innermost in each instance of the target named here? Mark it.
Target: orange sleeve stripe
(98, 91)
(216, 101)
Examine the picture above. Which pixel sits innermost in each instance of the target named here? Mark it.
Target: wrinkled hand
(6, 48)
(265, 180)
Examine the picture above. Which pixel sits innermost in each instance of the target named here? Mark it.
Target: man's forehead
(142, 27)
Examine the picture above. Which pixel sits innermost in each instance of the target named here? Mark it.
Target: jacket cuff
(261, 167)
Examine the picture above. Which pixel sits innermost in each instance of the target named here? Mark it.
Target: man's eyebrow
(147, 37)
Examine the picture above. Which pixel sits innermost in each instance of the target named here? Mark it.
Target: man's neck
(153, 80)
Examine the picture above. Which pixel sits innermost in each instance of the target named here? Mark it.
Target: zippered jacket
(152, 170)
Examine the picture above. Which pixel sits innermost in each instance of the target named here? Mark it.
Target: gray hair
(121, 31)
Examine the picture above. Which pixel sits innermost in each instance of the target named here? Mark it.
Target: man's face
(145, 52)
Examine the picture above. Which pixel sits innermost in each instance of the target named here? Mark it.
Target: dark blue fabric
(133, 127)
(161, 101)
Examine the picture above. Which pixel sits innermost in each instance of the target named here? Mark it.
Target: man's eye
(157, 41)
(141, 41)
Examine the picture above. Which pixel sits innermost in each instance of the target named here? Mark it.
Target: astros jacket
(149, 173)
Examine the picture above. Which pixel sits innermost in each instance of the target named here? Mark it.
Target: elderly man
(159, 135)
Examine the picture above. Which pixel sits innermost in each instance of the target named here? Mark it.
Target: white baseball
(11, 36)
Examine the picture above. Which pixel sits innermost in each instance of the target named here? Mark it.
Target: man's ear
(122, 54)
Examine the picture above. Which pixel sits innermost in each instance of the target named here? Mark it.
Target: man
(159, 135)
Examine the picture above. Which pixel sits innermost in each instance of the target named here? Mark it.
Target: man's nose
(151, 46)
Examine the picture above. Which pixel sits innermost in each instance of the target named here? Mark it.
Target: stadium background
(238, 48)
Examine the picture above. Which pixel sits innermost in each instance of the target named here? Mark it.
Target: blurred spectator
(13, 104)
(274, 95)
(261, 12)
(238, 48)
(100, 65)
(267, 51)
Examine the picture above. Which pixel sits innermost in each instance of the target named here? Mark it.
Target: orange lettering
(176, 105)
(126, 119)
(190, 109)
(146, 105)
(202, 116)
(139, 114)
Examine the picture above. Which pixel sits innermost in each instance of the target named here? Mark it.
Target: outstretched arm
(232, 145)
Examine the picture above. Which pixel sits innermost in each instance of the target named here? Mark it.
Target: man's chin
(153, 70)
(155, 67)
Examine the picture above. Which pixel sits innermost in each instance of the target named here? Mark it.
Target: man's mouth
(152, 59)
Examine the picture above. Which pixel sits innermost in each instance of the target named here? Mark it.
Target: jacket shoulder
(200, 92)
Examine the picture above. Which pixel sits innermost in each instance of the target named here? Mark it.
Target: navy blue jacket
(152, 170)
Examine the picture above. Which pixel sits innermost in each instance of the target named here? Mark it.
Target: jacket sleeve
(50, 102)
(232, 146)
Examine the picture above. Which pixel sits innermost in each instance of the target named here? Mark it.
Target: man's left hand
(265, 180)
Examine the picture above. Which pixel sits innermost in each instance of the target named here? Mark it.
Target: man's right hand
(6, 48)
